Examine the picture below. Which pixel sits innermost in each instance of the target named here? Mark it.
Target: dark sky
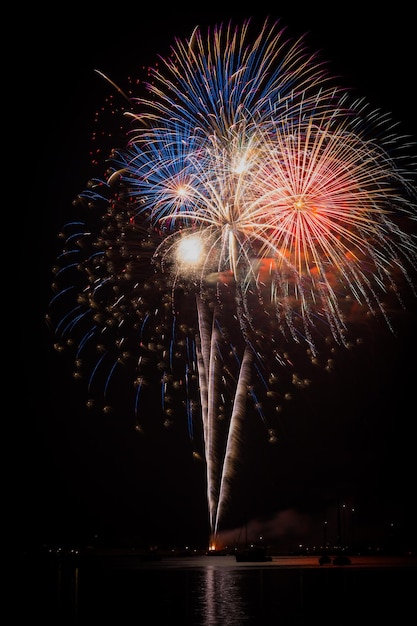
(74, 473)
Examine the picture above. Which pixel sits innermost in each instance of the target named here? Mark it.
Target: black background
(81, 477)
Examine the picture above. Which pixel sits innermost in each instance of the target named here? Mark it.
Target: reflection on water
(219, 598)
(203, 592)
(233, 597)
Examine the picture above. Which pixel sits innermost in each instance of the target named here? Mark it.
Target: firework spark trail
(234, 437)
(250, 208)
(221, 452)
(209, 337)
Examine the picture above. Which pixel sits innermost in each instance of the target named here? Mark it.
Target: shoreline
(131, 559)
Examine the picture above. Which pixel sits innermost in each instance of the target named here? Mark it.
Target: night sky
(80, 476)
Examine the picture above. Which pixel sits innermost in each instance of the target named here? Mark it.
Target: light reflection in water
(219, 598)
(226, 596)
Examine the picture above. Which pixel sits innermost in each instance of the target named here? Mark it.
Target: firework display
(251, 214)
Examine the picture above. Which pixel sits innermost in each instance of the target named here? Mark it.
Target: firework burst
(251, 209)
